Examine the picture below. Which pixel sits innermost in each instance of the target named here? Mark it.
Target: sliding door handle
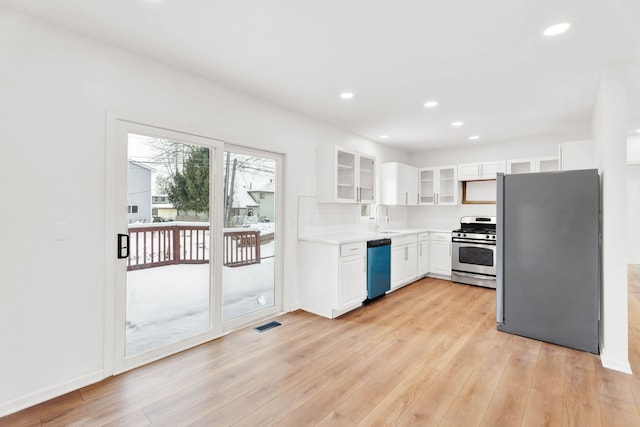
(123, 246)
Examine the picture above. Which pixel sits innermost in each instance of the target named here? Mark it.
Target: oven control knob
(464, 235)
(488, 237)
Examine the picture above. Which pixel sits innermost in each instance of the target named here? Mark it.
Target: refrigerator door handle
(500, 252)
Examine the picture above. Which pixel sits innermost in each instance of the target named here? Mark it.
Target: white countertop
(337, 238)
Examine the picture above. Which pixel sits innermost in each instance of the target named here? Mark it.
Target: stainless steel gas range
(473, 251)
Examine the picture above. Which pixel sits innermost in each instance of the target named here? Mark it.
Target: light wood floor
(427, 355)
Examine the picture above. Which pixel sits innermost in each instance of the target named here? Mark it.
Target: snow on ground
(170, 303)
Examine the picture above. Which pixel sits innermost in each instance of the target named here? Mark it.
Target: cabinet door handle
(420, 249)
(449, 249)
(406, 198)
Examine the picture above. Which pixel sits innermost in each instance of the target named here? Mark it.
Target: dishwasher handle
(378, 243)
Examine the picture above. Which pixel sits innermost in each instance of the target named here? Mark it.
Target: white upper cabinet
(582, 155)
(438, 186)
(477, 171)
(540, 164)
(398, 184)
(547, 164)
(427, 186)
(345, 176)
(366, 178)
(520, 166)
(411, 185)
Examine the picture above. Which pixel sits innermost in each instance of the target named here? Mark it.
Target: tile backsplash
(314, 217)
(446, 217)
(317, 218)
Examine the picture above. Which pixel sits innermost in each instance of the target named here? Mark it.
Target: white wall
(633, 199)
(633, 149)
(633, 213)
(56, 89)
(575, 155)
(609, 131)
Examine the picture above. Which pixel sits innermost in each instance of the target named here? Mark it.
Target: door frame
(117, 124)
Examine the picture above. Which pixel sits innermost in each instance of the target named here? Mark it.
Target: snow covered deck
(169, 303)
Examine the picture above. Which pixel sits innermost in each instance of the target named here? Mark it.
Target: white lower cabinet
(352, 289)
(423, 254)
(404, 260)
(440, 254)
(334, 277)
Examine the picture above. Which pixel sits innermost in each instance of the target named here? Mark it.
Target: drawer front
(441, 237)
(356, 248)
(404, 240)
(423, 237)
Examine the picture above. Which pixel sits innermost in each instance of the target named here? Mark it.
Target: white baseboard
(615, 364)
(21, 403)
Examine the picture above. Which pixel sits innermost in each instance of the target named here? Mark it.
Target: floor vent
(267, 326)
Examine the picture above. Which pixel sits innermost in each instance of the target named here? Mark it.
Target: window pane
(249, 234)
(168, 284)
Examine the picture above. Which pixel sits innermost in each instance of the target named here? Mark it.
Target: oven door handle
(458, 244)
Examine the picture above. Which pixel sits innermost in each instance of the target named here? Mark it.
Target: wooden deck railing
(241, 248)
(158, 245)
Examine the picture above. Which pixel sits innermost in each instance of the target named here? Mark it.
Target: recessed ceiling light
(346, 95)
(384, 136)
(430, 104)
(457, 124)
(637, 130)
(554, 30)
(473, 137)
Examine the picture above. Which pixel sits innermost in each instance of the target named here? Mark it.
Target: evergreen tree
(188, 189)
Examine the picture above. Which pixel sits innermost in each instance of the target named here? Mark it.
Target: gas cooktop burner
(474, 227)
(476, 230)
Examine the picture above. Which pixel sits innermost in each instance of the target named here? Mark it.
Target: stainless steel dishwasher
(378, 268)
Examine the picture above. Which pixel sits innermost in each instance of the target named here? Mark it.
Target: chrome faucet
(376, 227)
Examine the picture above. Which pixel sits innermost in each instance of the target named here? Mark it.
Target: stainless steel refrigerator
(548, 257)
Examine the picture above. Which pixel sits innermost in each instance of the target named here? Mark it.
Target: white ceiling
(486, 62)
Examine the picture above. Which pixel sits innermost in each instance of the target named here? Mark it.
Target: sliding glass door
(167, 237)
(251, 234)
(168, 270)
(198, 241)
